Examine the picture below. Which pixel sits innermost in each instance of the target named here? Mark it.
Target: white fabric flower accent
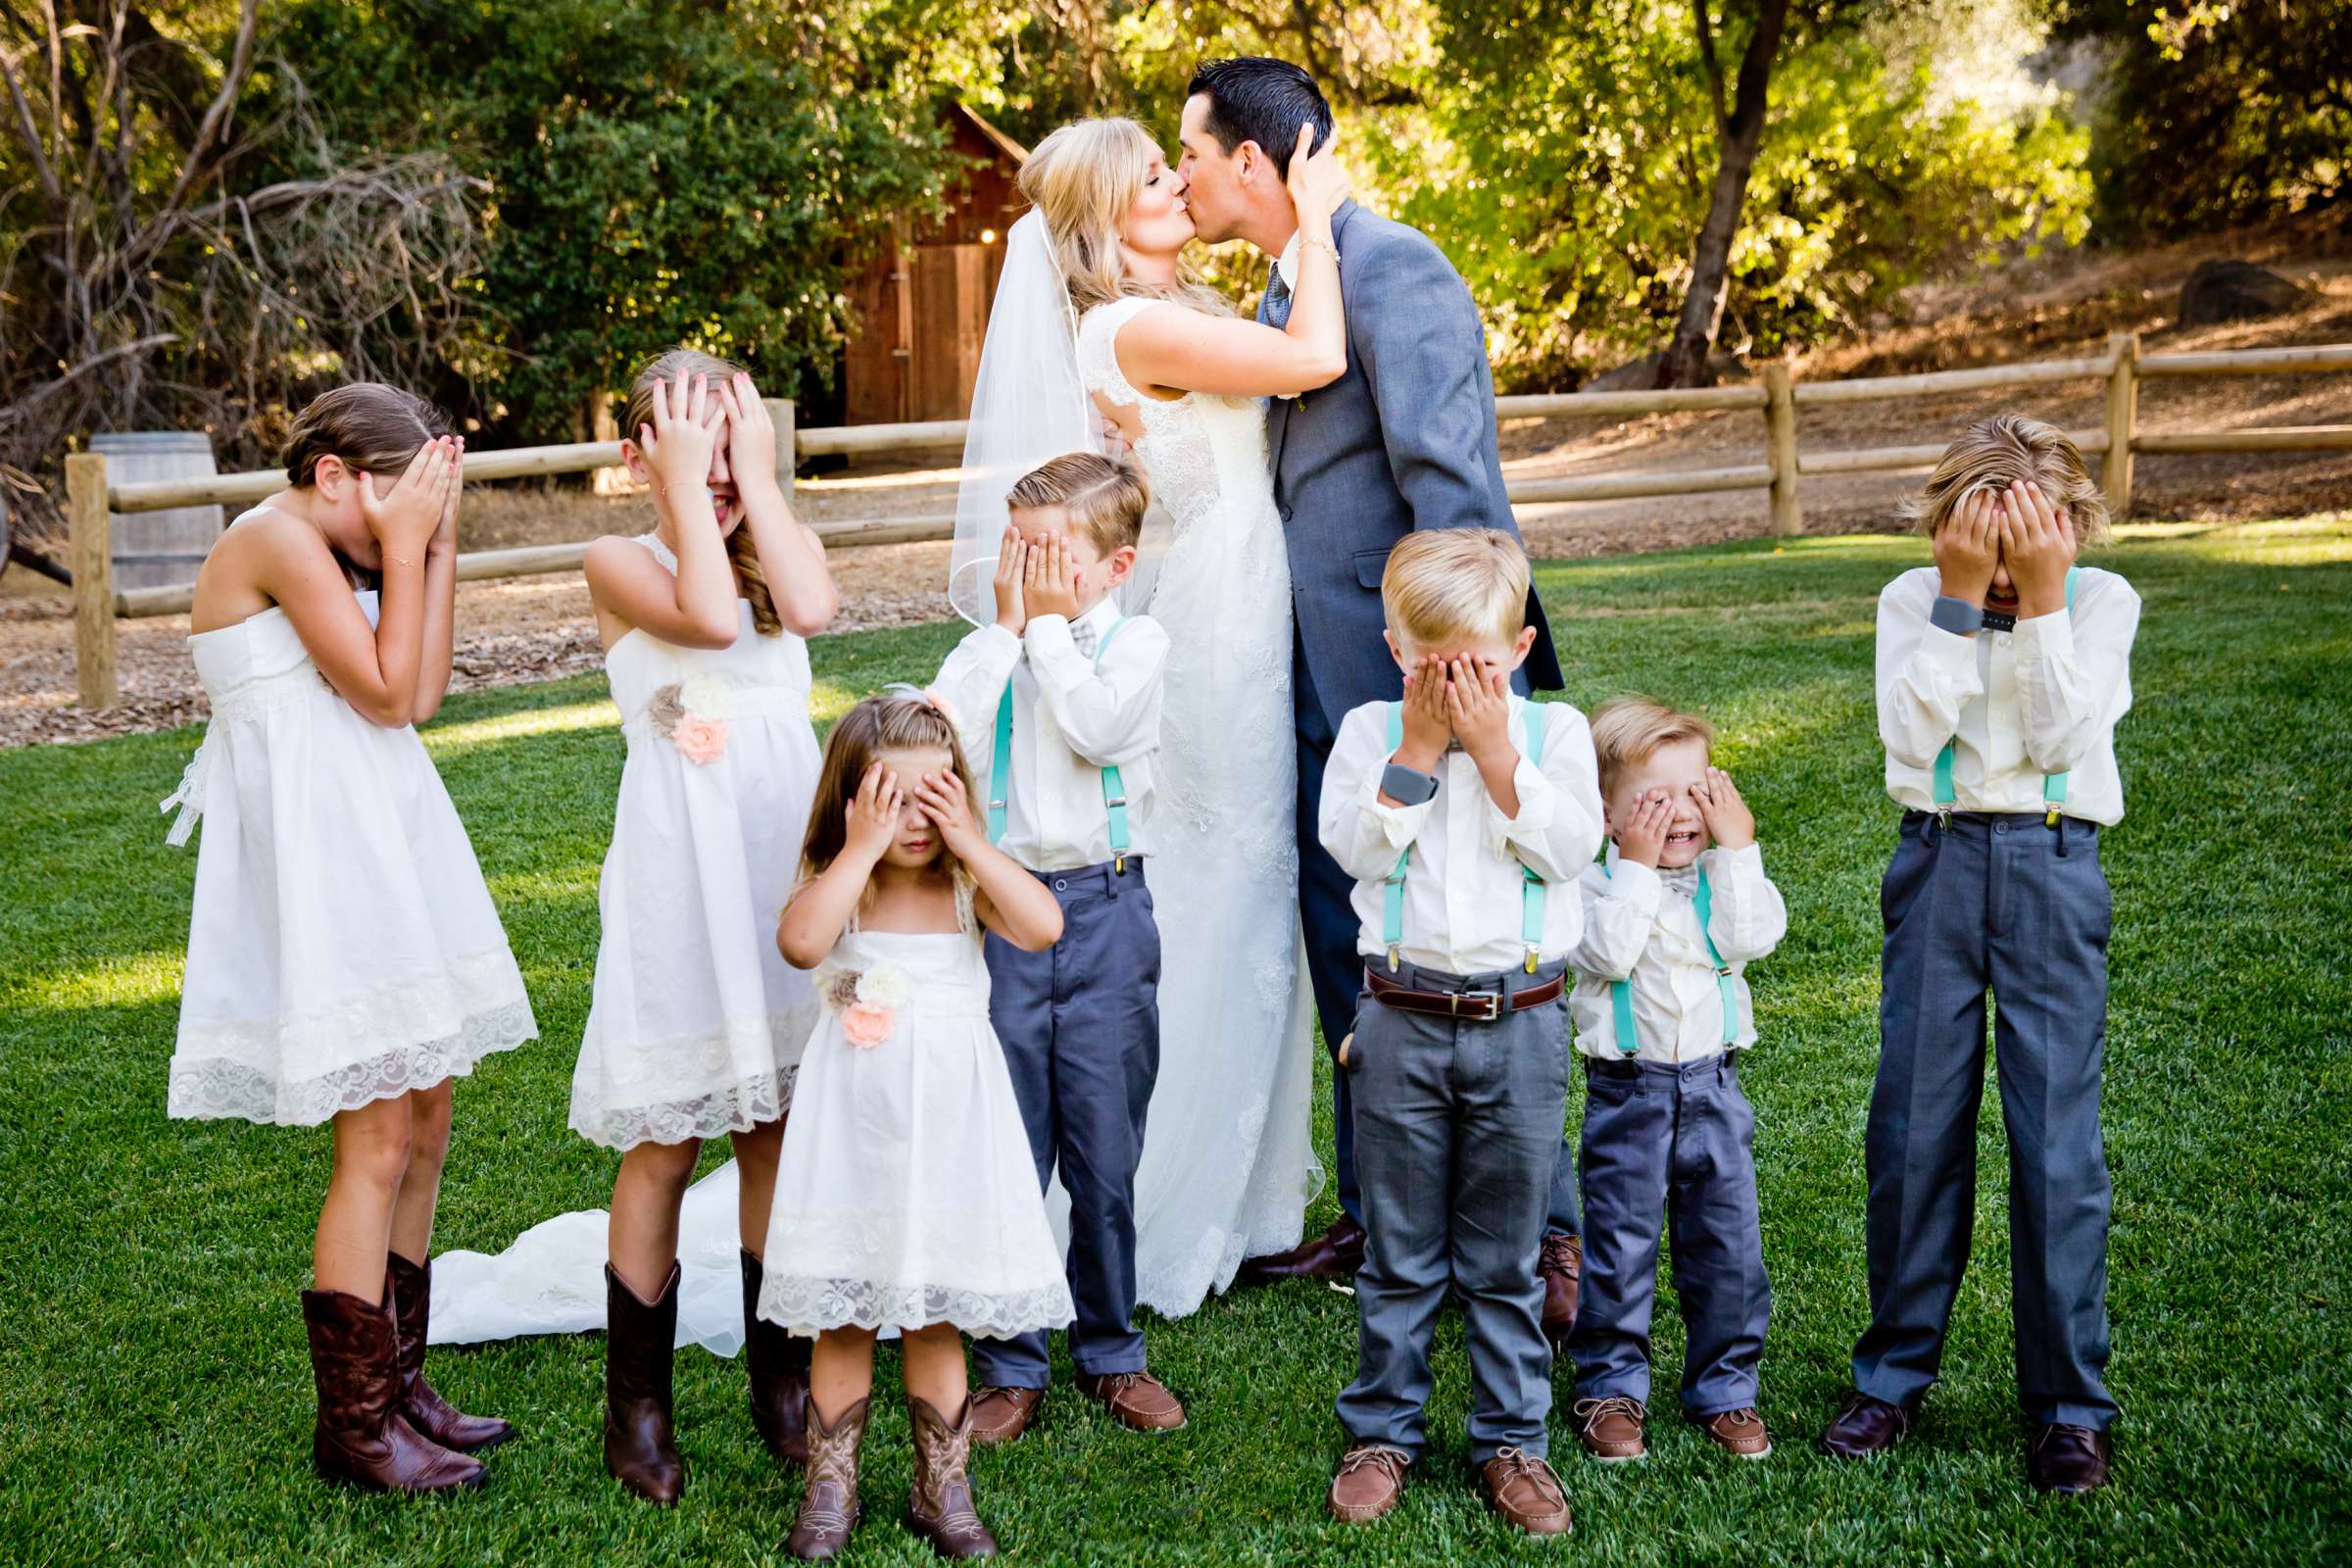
(703, 696)
(885, 985)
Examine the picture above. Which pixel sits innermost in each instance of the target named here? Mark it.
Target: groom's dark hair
(1262, 100)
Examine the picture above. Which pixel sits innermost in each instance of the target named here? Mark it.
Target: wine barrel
(159, 549)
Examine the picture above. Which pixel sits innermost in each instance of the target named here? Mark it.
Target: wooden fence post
(1780, 448)
(93, 579)
(788, 446)
(2122, 421)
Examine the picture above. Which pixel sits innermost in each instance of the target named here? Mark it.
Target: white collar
(1287, 264)
(1106, 610)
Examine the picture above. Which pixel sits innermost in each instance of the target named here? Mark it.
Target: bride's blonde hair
(1082, 179)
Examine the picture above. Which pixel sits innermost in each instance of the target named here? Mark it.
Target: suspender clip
(1118, 865)
(1394, 958)
(1530, 958)
(2050, 817)
(1943, 817)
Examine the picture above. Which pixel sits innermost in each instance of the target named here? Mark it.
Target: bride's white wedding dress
(1227, 1168)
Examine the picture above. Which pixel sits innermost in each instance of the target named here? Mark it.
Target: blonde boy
(2002, 670)
(1673, 917)
(1057, 705)
(1463, 813)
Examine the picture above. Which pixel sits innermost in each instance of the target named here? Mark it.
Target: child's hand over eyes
(1968, 546)
(2038, 540)
(685, 430)
(1641, 835)
(1049, 586)
(1477, 703)
(1013, 564)
(872, 815)
(942, 797)
(1730, 822)
(1427, 729)
(406, 513)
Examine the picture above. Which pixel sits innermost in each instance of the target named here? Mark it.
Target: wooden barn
(923, 306)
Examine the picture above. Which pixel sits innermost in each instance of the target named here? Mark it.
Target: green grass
(154, 1396)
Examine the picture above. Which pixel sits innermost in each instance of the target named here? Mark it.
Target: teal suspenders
(1620, 992)
(1531, 886)
(999, 772)
(2053, 785)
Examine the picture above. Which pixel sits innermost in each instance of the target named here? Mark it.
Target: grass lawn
(157, 1397)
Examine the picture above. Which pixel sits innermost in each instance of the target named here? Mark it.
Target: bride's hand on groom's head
(1317, 183)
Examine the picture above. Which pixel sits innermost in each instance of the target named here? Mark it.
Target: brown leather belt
(1482, 1006)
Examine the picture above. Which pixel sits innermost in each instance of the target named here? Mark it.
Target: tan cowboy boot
(829, 1507)
(940, 1507)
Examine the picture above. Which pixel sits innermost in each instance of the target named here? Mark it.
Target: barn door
(951, 290)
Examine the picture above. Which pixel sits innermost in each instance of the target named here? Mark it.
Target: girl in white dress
(697, 1024)
(906, 1197)
(345, 961)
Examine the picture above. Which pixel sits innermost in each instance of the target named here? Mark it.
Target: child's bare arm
(440, 604)
(819, 909)
(791, 556)
(1012, 904)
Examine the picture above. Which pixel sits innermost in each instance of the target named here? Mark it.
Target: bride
(1097, 323)
(1097, 326)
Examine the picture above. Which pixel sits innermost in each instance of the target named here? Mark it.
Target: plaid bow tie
(1082, 632)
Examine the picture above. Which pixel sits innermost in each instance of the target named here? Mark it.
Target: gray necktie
(1278, 298)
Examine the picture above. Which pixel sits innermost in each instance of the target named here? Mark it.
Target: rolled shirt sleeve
(2073, 674)
(1108, 711)
(1926, 676)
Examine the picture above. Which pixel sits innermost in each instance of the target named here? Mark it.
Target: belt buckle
(1490, 1000)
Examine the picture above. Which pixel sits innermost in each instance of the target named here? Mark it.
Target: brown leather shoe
(1370, 1479)
(361, 1438)
(1738, 1432)
(2065, 1460)
(779, 1364)
(1135, 1399)
(829, 1504)
(1000, 1415)
(1336, 1254)
(939, 1507)
(640, 1338)
(1560, 1265)
(1866, 1426)
(1520, 1487)
(1611, 1430)
(410, 1286)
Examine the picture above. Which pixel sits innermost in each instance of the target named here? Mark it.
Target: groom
(1403, 440)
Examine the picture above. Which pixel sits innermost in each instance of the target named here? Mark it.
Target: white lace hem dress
(342, 945)
(697, 1022)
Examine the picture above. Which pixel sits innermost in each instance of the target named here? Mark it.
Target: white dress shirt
(1071, 719)
(2018, 705)
(1462, 886)
(1641, 924)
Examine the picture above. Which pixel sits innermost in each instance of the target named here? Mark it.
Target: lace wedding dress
(1227, 1170)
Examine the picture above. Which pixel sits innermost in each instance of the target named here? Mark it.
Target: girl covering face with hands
(697, 1024)
(906, 1197)
(345, 962)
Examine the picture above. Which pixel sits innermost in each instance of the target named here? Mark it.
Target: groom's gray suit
(1403, 440)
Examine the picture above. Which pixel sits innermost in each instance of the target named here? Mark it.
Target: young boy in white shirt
(1057, 705)
(2002, 672)
(1463, 813)
(1662, 1018)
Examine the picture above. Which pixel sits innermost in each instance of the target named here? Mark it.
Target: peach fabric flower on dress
(866, 1024)
(701, 741)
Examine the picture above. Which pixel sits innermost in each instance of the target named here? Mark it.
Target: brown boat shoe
(1611, 1430)
(1000, 1415)
(1521, 1487)
(1137, 1400)
(1738, 1432)
(1370, 1479)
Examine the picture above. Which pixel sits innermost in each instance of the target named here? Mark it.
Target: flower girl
(906, 1197)
(695, 1023)
(345, 961)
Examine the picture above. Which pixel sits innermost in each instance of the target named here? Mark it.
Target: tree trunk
(1742, 132)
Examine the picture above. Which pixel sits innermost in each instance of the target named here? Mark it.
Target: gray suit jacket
(1405, 440)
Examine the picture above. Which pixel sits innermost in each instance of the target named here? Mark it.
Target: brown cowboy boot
(829, 1506)
(779, 1367)
(939, 1507)
(641, 1448)
(411, 1289)
(361, 1438)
